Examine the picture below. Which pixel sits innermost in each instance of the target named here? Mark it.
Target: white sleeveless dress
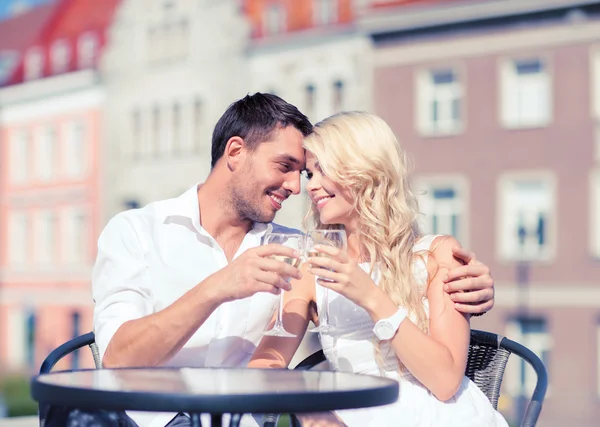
(351, 348)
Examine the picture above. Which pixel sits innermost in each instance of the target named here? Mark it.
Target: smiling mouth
(276, 199)
(321, 201)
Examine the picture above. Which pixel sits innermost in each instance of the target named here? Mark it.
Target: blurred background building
(108, 105)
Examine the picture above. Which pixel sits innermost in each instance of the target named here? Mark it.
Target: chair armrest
(64, 349)
(311, 361)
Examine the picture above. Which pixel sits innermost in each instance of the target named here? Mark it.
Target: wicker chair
(487, 358)
(69, 347)
(62, 351)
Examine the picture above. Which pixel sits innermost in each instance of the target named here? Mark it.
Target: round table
(212, 390)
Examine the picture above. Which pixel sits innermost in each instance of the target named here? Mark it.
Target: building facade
(498, 106)
(311, 54)
(167, 88)
(50, 129)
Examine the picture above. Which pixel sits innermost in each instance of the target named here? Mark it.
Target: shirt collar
(187, 206)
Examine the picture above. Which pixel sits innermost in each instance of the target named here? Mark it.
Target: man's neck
(219, 219)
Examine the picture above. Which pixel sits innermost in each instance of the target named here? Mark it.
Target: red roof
(22, 31)
(78, 16)
(42, 26)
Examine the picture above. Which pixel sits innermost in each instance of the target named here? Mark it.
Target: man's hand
(256, 270)
(470, 286)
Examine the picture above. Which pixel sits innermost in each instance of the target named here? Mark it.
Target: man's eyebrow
(289, 158)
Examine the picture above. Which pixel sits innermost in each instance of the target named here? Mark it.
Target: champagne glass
(337, 239)
(294, 241)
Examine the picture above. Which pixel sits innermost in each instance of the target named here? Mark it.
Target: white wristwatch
(385, 329)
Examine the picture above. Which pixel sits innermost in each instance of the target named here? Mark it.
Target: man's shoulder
(278, 228)
(137, 217)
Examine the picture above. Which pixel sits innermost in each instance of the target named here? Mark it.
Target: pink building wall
(32, 288)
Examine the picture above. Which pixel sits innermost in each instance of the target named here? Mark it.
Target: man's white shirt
(150, 257)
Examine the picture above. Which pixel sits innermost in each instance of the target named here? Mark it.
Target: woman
(390, 272)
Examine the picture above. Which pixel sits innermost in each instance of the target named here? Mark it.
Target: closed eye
(285, 166)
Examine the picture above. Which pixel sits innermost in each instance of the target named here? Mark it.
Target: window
(60, 56)
(75, 149)
(34, 63)
(595, 212)
(76, 323)
(598, 356)
(19, 232)
(595, 83)
(75, 235)
(310, 100)
(30, 335)
(136, 131)
(527, 208)
(176, 35)
(439, 102)
(597, 144)
(46, 153)
(183, 31)
(198, 140)
(16, 337)
(87, 49)
(274, 19)
(325, 12)
(19, 154)
(533, 333)
(526, 93)
(176, 137)
(338, 96)
(443, 204)
(45, 234)
(9, 60)
(156, 131)
(152, 45)
(132, 204)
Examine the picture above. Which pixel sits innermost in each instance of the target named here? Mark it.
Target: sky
(6, 6)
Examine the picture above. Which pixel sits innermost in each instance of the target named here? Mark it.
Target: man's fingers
(476, 297)
(464, 254)
(277, 249)
(475, 270)
(475, 309)
(282, 268)
(272, 279)
(470, 284)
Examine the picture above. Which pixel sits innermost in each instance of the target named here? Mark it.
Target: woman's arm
(277, 352)
(437, 360)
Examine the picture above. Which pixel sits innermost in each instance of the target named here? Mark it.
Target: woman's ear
(235, 152)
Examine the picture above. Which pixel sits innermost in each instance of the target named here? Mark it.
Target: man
(186, 282)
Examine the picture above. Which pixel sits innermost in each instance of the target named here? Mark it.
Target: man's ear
(235, 152)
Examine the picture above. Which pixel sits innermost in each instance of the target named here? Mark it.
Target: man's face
(268, 175)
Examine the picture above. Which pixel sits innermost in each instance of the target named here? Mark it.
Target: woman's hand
(339, 273)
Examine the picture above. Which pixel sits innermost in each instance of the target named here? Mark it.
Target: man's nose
(293, 184)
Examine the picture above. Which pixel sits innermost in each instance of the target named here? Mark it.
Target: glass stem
(325, 317)
(279, 322)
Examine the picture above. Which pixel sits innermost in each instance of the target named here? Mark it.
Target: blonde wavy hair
(360, 152)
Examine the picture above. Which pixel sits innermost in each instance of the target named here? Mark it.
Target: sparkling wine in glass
(293, 241)
(337, 239)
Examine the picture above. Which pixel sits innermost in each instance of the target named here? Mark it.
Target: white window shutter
(509, 96)
(595, 81)
(424, 94)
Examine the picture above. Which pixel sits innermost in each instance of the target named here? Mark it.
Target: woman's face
(333, 202)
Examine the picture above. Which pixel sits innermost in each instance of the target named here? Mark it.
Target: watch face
(385, 331)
